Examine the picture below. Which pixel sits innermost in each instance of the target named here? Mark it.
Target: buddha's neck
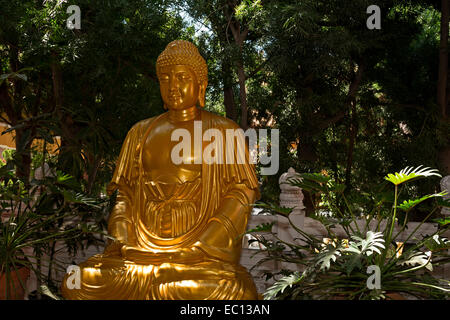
(188, 114)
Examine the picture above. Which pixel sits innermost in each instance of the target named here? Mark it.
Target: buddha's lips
(174, 97)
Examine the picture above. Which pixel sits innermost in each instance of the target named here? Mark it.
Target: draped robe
(218, 275)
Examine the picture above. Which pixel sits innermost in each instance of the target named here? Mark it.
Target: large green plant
(39, 215)
(341, 266)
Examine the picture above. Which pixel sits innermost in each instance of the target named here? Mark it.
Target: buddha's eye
(183, 77)
(164, 78)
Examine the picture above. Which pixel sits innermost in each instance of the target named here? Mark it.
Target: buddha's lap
(105, 277)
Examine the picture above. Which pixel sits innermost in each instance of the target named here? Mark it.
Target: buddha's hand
(114, 248)
(217, 244)
(146, 256)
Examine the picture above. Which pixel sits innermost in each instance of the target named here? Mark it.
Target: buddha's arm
(223, 236)
(119, 223)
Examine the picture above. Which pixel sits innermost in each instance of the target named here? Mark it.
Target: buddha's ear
(201, 93)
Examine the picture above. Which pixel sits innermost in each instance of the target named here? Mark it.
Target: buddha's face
(179, 87)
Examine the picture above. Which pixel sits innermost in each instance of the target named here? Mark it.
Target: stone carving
(291, 196)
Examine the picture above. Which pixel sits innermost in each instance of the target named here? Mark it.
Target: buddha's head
(183, 75)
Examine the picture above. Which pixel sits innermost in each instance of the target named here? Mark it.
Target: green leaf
(74, 197)
(443, 202)
(353, 261)
(45, 290)
(310, 181)
(273, 209)
(372, 243)
(442, 221)
(307, 185)
(357, 249)
(264, 227)
(407, 205)
(409, 174)
(281, 285)
(316, 177)
(436, 243)
(418, 259)
(66, 180)
(336, 187)
(324, 258)
(13, 75)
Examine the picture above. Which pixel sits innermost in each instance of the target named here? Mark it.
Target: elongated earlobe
(201, 94)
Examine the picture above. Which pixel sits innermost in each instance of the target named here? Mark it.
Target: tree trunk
(240, 34)
(443, 59)
(68, 137)
(242, 95)
(353, 128)
(353, 131)
(57, 84)
(13, 107)
(443, 94)
(228, 96)
(23, 154)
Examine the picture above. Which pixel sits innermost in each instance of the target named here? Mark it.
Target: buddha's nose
(173, 84)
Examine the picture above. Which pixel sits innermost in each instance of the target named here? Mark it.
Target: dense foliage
(360, 258)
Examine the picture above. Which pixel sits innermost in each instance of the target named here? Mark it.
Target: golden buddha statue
(178, 227)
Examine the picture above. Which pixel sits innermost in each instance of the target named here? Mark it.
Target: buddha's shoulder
(141, 125)
(220, 121)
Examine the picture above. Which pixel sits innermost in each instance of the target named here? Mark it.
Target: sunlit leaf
(407, 205)
(409, 174)
(418, 259)
(372, 243)
(45, 290)
(281, 285)
(336, 187)
(327, 255)
(442, 221)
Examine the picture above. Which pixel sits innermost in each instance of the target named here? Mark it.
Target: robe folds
(218, 276)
